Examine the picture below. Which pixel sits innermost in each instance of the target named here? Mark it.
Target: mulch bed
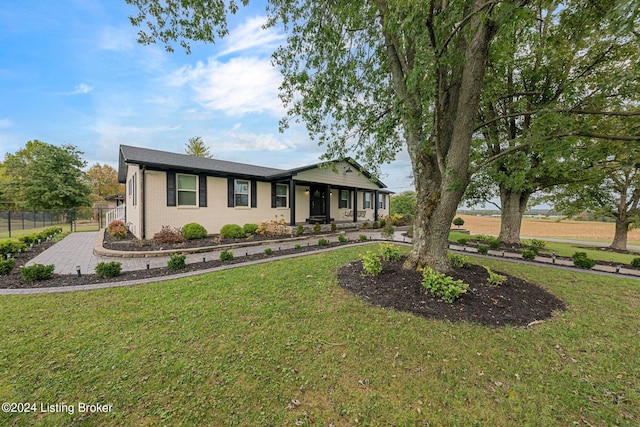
(516, 302)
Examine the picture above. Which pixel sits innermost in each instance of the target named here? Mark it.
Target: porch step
(319, 219)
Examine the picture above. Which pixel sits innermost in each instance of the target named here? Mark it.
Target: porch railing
(116, 214)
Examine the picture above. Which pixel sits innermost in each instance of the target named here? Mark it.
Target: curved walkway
(77, 249)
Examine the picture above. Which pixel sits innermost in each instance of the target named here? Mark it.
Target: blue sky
(71, 72)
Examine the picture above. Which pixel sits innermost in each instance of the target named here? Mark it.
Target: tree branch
(463, 23)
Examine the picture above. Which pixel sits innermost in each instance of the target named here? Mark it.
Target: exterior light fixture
(348, 170)
(148, 262)
(78, 270)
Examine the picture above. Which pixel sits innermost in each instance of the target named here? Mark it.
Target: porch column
(375, 207)
(327, 206)
(292, 202)
(355, 205)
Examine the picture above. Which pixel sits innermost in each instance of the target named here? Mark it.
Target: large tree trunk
(514, 205)
(620, 236)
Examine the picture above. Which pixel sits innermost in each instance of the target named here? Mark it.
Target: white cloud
(240, 86)
(116, 39)
(251, 35)
(82, 88)
(234, 141)
(6, 123)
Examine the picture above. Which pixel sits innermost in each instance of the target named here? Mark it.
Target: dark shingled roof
(166, 160)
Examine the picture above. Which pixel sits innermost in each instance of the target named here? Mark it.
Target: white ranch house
(169, 189)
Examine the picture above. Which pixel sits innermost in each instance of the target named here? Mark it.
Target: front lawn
(282, 344)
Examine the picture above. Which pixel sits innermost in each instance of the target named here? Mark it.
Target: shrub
(635, 262)
(458, 222)
(581, 260)
(363, 238)
(226, 255)
(387, 231)
(366, 225)
(323, 242)
(250, 228)
(232, 231)
(193, 230)
(116, 223)
(297, 246)
(371, 263)
(443, 286)
(457, 260)
(177, 262)
(540, 244)
(529, 254)
(275, 227)
(463, 240)
(28, 239)
(268, 251)
(299, 230)
(334, 227)
(495, 279)
(118, 232)
(7, 266)
(482, 249)
(169, 235)
(389, 252)
(343, 239)
(108, 269)
(37, 272)
(11, 246)
(375, 225)
(383, 222)
(493, 242)
(317, 228)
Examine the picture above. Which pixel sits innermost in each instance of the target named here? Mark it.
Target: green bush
(482, 249)
(117, 229)
(443, 286)
(363, 238)
(635, 262)
(37, 272)
(389, 252)
(371, 264)
(297, 246)
(226, 255)
(495, 279)
(334, 227)
(250, 228)
(232, 231)
(177, 262)
(493, 242)
(540, 244)
(317, 228)
(529, 254)
(581, 260)
(193, 231)
(458, 222)
(463, 240)
(457, 260)
(375, 225)
(387, 231)
(268, 251)
(7, 266)
(108, 269)
(342, 239)
(299, 230)
(11, 246)
(366, 225)
(28, 239)
(323, 242)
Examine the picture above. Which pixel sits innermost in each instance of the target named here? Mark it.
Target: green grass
(237, 347)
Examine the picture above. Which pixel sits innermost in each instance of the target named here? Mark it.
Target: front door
(318, 201)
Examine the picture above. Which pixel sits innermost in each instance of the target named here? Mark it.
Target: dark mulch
(516, 302)
(15, 280)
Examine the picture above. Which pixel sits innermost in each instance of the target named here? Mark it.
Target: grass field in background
(282, 344)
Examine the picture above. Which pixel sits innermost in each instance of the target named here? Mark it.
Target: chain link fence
(18, 222)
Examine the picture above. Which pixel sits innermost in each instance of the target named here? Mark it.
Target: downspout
(144, 205)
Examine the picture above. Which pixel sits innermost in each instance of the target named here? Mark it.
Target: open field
(282, 344)
(550, 228)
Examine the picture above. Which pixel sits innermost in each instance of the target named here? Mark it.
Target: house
(169, 189)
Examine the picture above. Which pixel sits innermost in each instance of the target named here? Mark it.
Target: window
(187, 190)
(382, 201)
(367, 201)
(241, 192)
(343, 202)
(133, 189)
(281, 195)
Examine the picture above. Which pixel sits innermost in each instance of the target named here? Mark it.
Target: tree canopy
(45, 176)
(197, 147)
(103, 181)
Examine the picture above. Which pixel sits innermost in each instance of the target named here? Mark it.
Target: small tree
(458, 222)
(196, 147)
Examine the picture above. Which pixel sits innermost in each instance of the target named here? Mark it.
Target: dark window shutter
(203, 191)
(254, 193)
(231, 202)
(350, 199)
(171, 188)
(273, 194)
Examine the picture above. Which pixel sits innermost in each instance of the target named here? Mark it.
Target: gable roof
(165, 160)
